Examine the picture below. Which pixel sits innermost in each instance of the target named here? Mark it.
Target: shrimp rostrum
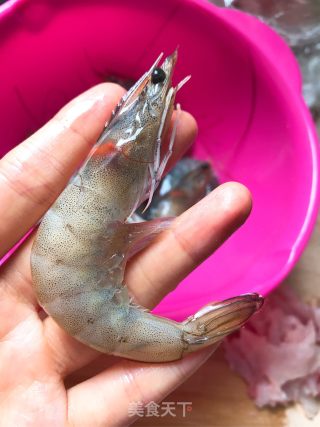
(86, 238)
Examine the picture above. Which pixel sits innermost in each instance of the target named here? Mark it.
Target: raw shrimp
(85, 239)
(185, 185)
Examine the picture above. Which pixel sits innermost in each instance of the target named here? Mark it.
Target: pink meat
(278, 353)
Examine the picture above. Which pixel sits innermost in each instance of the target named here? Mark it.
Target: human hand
(47, 378)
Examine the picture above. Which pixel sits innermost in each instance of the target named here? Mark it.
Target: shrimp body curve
(85, 239)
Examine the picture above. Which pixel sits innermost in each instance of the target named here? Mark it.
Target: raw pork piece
(278, 353)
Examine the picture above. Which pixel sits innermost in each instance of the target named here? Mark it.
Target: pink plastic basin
(245, 93)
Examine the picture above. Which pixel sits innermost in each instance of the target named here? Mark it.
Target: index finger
(34, 173)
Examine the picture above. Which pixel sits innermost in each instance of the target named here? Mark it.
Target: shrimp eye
(158, 76)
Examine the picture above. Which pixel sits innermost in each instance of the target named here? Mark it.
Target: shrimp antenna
(182, 83)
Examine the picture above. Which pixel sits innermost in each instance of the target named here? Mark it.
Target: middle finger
(224, 210)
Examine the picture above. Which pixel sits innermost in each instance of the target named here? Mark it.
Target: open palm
(47, 378)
